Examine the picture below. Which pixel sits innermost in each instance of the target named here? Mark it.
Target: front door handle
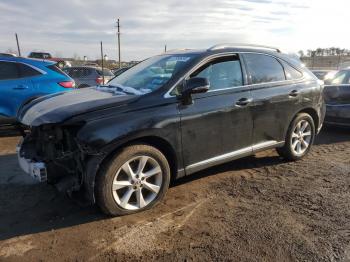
(294, 93)
(20, 87)
(244, 101)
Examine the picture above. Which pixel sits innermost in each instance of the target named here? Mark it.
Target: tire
(290, 151)
(120, 187)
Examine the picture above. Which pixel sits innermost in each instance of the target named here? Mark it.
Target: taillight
(99, 80)
(67, 84)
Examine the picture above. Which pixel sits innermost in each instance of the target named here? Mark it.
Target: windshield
(342, 77)
(152, 73)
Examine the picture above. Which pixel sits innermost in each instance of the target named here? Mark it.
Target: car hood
(62, 106)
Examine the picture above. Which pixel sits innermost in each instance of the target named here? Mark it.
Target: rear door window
(27, 71)
(8, 70)
(263, 68)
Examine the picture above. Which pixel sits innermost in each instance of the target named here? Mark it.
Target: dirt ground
(255, 209)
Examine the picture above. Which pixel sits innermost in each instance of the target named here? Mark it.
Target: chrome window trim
(234, 154)
(221, 157)
(167, 94)
(335, 85)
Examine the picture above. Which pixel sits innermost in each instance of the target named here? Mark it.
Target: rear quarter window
(57, 70)
(291, 72)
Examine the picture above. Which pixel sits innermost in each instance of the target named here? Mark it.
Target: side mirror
(195, 85)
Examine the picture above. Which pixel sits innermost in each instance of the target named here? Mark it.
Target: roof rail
(222, 46)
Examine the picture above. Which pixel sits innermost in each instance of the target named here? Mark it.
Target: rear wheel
(299, 139)
(136, 179)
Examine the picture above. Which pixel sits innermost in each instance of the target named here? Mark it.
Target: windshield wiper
(126, 89)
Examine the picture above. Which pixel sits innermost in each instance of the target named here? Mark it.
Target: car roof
(227, 48)
(237, 48)
(27, 60)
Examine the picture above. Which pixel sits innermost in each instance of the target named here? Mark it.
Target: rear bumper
(338, 115)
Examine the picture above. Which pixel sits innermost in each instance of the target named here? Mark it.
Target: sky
(71, 28)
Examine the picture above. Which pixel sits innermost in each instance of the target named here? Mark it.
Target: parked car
(118, 71)
(44, 55)
(324, 74)
(91, 64)
(85, 76)
(337, 96)
(171, 115)
(22, 80)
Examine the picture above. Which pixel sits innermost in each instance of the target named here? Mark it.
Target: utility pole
(102, 57)
(165, 49)
(118, 34)
(18, 49)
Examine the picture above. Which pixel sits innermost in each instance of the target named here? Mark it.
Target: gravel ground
(255, 209)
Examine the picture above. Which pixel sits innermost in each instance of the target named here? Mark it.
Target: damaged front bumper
(37, 170)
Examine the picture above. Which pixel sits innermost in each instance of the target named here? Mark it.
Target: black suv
(170, 116)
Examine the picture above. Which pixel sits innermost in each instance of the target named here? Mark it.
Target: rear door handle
(244, 101)
(294, 93)
(20, 87)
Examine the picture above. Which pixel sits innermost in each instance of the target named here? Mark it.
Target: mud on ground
(255, 209)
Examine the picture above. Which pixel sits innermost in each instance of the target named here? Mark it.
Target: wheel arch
(308, 110)
(96, 164)
(313, 113)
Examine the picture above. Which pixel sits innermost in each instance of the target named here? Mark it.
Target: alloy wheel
(137, 183)
(301, 137)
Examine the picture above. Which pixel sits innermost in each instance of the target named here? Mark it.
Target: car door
(337, 90)
(276, 97)
(218, 125)
(14, 89)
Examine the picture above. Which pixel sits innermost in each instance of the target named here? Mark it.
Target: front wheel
(299, 139)
(136, 179)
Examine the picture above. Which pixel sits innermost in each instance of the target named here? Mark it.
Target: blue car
(23, 79)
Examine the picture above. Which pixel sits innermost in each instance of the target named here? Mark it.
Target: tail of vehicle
(66, 82)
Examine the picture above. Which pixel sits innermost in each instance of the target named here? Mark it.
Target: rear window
(106, 72)
(56, 69)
